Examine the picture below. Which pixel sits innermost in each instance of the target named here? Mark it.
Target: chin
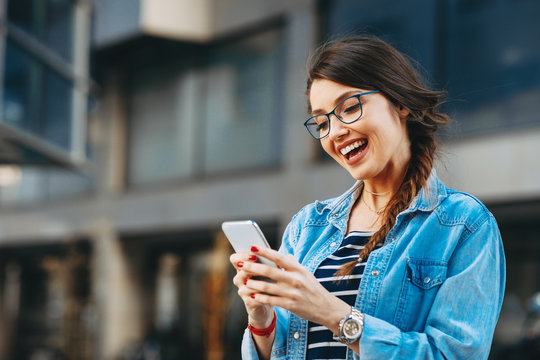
(358, 175)
(362, 173)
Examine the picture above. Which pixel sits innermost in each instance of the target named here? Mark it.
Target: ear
(402, 111)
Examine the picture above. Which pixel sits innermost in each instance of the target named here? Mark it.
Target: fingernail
(252, 296)
(252, 257)
(254, 249)
(240, 264)
(245, 282)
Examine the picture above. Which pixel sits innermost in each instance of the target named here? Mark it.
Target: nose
(337, 128)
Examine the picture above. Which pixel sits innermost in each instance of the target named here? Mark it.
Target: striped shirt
(320, 340)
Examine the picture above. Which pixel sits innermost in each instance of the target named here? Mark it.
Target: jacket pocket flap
(427, 273)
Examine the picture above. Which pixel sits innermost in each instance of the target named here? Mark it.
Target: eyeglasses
(347, 111)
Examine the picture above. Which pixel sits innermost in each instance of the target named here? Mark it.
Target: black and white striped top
(320, 342)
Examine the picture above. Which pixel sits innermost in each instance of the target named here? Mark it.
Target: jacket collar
(338, 205)
(427, 199)
(430, 196)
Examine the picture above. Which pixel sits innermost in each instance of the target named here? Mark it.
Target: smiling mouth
(354, 149)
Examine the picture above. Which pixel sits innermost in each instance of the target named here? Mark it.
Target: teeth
(351, 147)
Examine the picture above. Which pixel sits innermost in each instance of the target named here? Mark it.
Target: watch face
(351, 328)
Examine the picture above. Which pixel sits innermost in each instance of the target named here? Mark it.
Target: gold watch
(350, 327)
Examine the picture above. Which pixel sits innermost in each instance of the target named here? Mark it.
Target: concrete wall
(178, 19)
(184, 20)
(495, 168)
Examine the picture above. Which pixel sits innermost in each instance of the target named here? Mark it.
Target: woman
(399, 266)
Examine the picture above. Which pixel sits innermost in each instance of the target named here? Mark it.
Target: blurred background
(130, 129)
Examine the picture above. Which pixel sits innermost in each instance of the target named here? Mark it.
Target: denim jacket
(433, 291)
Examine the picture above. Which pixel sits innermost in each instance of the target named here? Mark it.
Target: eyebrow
(339, 99)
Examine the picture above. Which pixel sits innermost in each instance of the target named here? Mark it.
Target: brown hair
(369, 63)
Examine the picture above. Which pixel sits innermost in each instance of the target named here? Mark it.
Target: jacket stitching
(279, 351)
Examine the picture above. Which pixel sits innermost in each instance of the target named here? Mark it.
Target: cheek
(327, 148)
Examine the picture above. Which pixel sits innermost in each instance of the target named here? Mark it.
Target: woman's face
(375, 147)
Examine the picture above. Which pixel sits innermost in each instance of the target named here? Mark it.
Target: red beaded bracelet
(264, 332)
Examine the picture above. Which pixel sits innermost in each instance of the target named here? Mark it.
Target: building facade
(194, 116)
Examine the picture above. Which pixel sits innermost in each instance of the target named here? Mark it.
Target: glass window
(217, 111)
(485, 53)
(49, 21)
(162, 113)
(407, 25)
(35, 98)
(38, 93)
(243, 103)
(493, 67)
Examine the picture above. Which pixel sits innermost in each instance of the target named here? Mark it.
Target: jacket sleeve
(462, 320)
(279, 349)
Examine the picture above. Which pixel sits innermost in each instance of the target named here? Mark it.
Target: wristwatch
(350, 327)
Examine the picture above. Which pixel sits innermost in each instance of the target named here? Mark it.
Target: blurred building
(110, 242)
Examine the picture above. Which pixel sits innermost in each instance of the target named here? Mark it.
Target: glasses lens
(349, 110)
(318, 126)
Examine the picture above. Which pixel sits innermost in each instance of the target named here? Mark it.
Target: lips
(354, 149)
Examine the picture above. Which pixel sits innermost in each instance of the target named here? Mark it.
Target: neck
(378, 191)
(385, 187)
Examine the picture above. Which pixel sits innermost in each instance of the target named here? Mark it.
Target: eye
(352, 108)
(349, 106)
(322, 125)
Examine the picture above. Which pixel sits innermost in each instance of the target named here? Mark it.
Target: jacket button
(296, 335)
(336, 215)
(333, 244)
(375, 273)
(427, 280)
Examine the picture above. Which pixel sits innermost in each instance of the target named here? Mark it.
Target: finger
(248, 296)
(241, 278)
(246, 292)
(271, 272)
(275, 289)
(287, 262)
(272, 300)
(235, 257)
(238, 259)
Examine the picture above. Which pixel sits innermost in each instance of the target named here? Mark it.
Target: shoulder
(313, 214)
(316, 211)
(462, 208)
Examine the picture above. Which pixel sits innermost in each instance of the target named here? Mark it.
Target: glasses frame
(336, 115)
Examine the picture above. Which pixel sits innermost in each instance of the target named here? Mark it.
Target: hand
(260, 315)
(295, 289)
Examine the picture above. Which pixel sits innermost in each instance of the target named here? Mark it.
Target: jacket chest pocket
(421, 283)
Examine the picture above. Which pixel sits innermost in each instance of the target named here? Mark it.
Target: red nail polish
(240, 264)
(252, 257)
(254, 249)
(252, 296)
(245, 282)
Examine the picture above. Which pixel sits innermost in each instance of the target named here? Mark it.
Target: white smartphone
(243, 235)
